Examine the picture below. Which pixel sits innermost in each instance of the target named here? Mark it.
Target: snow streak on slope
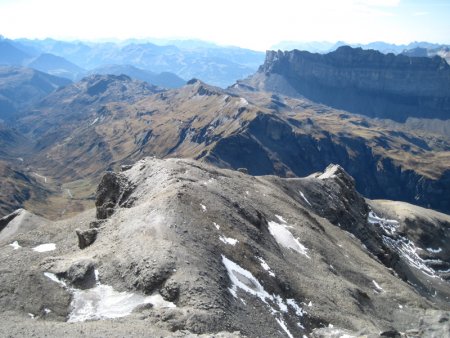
(244, 280)
(403, 245)
(285, 238)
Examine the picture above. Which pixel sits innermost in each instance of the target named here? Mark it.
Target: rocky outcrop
(206, 250)
(361, 81)
(113, 191)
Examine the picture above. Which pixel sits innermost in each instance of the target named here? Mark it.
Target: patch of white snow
(45, 247)
(55, 279)
(228, 240)
(285, 238)
(377, 286)
(266, 266)
(298, 310)
(282, 324)
(15, 245)
(304, 197)
(243, 279)
(280, 218)
(102, 301)
(329, 172)
(203, 207)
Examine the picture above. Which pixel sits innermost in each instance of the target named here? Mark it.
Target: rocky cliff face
(185, 248)
(361, 81)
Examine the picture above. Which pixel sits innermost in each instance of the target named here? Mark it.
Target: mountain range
(217, 65)
(416, 48)
(309, 198)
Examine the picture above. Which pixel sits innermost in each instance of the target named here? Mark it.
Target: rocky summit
(361, 81)
(180, 248)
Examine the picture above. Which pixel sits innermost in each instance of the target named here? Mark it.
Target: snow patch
(285, 238)
(102, 301)
(55, 279)
(388, 225)
(304, 197)
(282, 324)
(15, 245)
(281, 219)
(216, 225)
(401, 244)
(243, 101)
(266, 266)
(377, 286)
(203, 207)
(298, 310)
(329, 172)
(45, 247)
(244, 280)
(228, 240)
(94, 122)
(434, 250)
(40, 176)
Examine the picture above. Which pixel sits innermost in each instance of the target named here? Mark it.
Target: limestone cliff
(361, 81)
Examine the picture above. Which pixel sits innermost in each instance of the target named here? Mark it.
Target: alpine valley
(307, 197)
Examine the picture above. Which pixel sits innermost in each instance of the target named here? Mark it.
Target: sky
(246, 23)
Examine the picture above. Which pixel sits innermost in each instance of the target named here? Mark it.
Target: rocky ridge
(212, 250)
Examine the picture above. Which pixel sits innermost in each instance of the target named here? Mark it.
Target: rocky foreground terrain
(179, 248)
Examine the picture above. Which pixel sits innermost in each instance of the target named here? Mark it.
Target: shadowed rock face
(361, 81)
(266, 256)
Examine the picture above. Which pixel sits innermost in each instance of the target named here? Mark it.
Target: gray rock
(81, 274)
(113, 190)
(86, 237)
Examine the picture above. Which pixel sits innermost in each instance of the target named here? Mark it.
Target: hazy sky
(246, 23)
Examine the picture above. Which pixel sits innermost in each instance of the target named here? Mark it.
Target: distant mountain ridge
(381, 46)
(361, 81)
(164, 79)
(21, 87)
(55, 65)
(217, 65)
